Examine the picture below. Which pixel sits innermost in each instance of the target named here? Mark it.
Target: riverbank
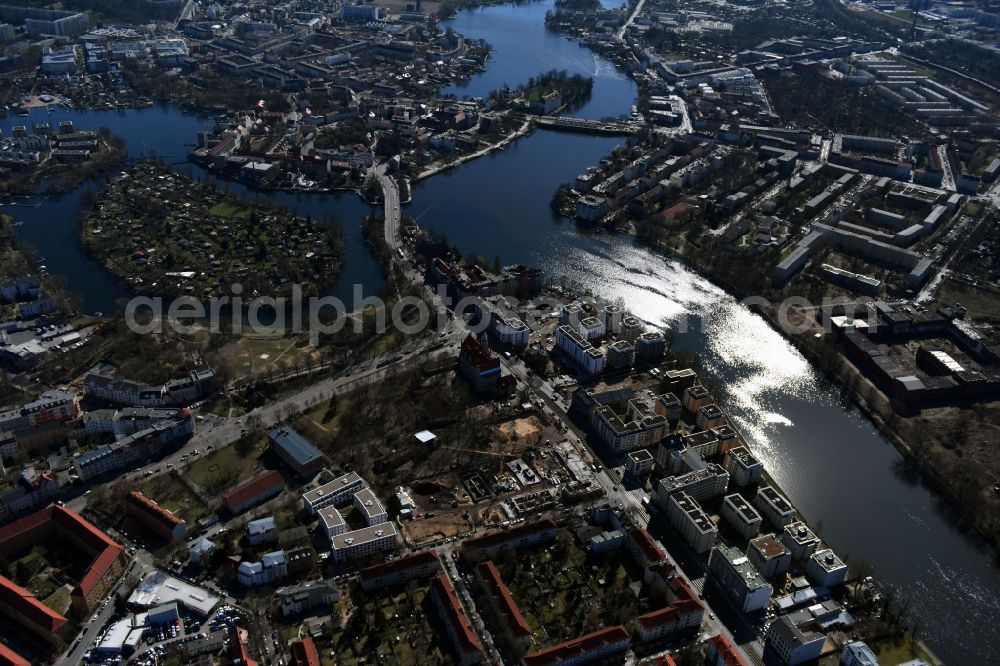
(870, 401)
(433, 170)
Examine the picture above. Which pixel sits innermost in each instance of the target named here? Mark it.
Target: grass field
(59, 600)
(257, 355)
(226, 209)
(225, 467)
(174, 496)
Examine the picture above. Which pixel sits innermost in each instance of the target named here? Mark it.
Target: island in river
(171, 235)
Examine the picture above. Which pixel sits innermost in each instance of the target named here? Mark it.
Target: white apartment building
(582, 352)
(744, 469)
(743, 518)
(691, 521)
(799, 540)
(773, 506)
(334, 493)
(736, 577)
(331, 521)
(271, 567)
(370, 508)
(826, 569)
(361, 543)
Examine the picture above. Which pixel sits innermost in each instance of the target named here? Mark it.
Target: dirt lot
(441, 526)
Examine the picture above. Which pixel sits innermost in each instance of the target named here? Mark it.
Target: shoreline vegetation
(166, 234)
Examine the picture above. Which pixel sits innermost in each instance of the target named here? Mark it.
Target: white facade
(363, 542)
(691, 521)
(774, 506)
(826, 569)
(741, 516)
(334, 493)
(582, 352)
(369, 507)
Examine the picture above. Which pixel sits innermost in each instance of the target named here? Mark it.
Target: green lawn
(58, 600)
(174, 496)
(225, 467)
(227, 209)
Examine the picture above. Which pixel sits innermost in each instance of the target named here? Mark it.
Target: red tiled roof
(424, 558)
(669, 614)
(647, 545)
(304, 652)
(25, 603)
(104, 549)
(726, 651)
(577, 646)
(508, 608)
(498, 538)
(153, 510)
(253, 487)
(10, 658)
(239, 646)
(454, 613)
(664, 660)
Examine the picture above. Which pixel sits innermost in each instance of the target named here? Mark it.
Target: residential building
(262, 530)
(769, 556)
(479, 365)
(799, 540)
(200, 552)
(299, 599)
(720, 651)
(332, 521)
(369, 507)
(643, 548)
(791, 644)
(272, 566)
(639, 463)
(741, 516)
(297, 452)
(701, 484)
(685, 611)
(650, 347)
(20, 608)
(525, 535)
(31, 490)
(599, 645)
(132, 450)
(259, 489)
(360, 13)
(304, 652)
(504, 327)
(744, 469)
(857, 653)
(334, 493)
(826, 569)
(773, 506)
(512, 624)
(101, 559)
(154, 517)
(640, 426)
(363, 543)
(696, 397)
(418, 566)
(734, 574)
(463, 639)
(579, 350)
(691, 521)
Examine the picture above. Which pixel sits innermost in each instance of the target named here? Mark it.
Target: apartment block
(734, 574)
(743, 518)
(334, 493)
(773, 506)
(769, 556)
(744, 469)
(691, 522)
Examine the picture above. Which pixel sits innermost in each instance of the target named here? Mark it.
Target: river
(845, 478)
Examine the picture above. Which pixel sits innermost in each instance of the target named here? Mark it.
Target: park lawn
(229, 209)
(250, 355)
(204, 471)
(326, 418)
(898, 650)
(174, 496)
(59, 600)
